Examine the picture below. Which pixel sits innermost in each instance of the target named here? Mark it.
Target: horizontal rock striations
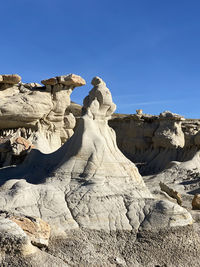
(154, 141)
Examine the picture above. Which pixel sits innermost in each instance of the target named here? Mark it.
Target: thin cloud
(150, 103)
(127, 96)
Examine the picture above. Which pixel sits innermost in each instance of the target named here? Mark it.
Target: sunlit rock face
(169, 133)
(36, 113)
(87, 183)
(152, 142)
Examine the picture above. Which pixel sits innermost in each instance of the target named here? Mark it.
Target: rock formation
(36, 113)
(152, 142)
(169, 133)
(171, 192)
(88, 191)
(166, 150)
(98, 187)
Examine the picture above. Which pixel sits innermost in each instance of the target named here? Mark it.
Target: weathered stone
(196, 202)
(51, 81)
(14, 239)
(169, 134)
(10, 78)
(171, 116)
(71, 80)
(84, 186)
(171, 192)
(37, 229)
(67, 80)
(88, 182)
(40, 112)
(20, 144)
(154, 141)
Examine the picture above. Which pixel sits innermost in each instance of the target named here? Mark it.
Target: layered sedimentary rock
(154, 141)
(91, 195)
(166, 150)
(35, 113)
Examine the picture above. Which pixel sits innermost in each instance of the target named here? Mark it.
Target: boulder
(14, 239)
(196, 202)
(68, 80)
(171, 192)
(10, 78)
(37, 230)
(71, 80)
(20, 145)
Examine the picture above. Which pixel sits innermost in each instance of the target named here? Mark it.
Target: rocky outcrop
(38, 114)
(88, 182)
(10, 79)
(152, 142)
(69, 80)
(37, 230)
(14, 239)
(13, 149)
(89, 193)
(169, 134)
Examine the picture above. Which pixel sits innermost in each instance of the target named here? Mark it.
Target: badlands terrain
(84, 186)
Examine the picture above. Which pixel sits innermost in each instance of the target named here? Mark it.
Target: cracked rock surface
(88, 182)
(93, 197)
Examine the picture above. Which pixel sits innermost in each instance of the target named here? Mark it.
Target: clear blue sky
(147, 51)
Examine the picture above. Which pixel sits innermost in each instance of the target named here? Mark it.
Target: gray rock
(88, 183)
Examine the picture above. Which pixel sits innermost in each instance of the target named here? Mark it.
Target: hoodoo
(89, 179)
(85, 188)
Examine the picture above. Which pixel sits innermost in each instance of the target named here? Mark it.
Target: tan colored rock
(37, 229)
(71, 79)
(14, 239)
(10, 78)
(196, 202)
(24, 142)
(171, 192)
(139, 111)
(51, 81)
